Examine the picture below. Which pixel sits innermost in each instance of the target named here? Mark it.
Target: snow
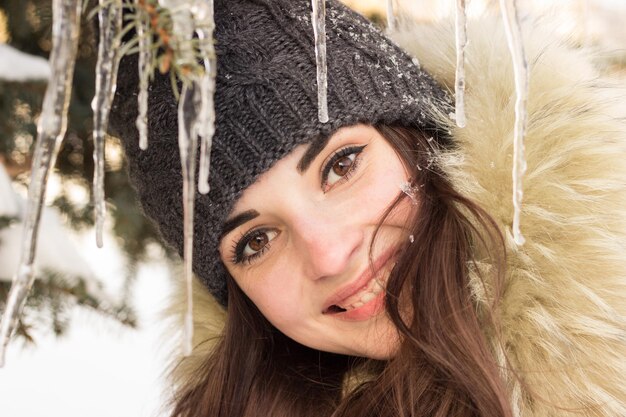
(10, 203)
(55, 250)
(19, 66)
(98, 368)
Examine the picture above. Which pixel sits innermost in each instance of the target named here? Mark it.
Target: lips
(363, 294)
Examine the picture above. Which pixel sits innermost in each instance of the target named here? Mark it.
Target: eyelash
(337, 156)
(240, 244)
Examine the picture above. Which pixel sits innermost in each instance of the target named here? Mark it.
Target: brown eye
(256, 243)
(342, 166)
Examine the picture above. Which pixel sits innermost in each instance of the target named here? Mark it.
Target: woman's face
(298, 242)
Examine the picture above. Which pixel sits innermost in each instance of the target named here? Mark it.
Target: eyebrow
(309, 156)
(311, 153)
(238, 220)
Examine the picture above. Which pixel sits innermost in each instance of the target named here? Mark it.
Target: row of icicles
(196, 116)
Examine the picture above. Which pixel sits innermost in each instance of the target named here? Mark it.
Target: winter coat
(563, 310)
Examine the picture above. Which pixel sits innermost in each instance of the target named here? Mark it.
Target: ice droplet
(318, 17)
(50, 131)
(410, 191)
(110, 24)
(461, 42)
(520, 69)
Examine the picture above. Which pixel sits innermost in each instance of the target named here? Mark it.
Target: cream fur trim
(563, 312)
(208, 320)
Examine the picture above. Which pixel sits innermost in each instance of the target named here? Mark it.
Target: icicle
(520, 69)
(392, 16)
(203, 16)
(189, 108)
(145, 72)
(110, 20)
(50, 131)
(319, 30)
(461, 41)
(188, 142)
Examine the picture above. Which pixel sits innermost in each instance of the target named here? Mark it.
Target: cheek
(383, 184)
(276, 293)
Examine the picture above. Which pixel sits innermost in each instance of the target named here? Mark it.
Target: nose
(328, 244)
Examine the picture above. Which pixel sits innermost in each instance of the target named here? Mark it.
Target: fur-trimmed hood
(563, 310)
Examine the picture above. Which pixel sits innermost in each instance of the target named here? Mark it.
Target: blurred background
(90, 338)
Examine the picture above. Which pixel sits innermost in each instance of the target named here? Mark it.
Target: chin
(384, 352)
(381, 343)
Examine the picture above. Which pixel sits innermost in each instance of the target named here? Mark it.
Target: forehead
(282, 172)
(290, 169)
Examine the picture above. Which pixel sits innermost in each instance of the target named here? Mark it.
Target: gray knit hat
(266, 104)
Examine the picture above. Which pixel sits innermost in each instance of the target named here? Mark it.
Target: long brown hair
(444, 366)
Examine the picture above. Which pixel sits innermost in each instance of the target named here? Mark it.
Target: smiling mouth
(365, 295)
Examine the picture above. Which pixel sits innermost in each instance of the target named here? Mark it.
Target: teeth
(367, 297)
(367, 294)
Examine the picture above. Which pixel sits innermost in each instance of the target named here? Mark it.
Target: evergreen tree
(28, 28)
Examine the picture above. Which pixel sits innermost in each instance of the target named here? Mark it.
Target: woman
(366, 265)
